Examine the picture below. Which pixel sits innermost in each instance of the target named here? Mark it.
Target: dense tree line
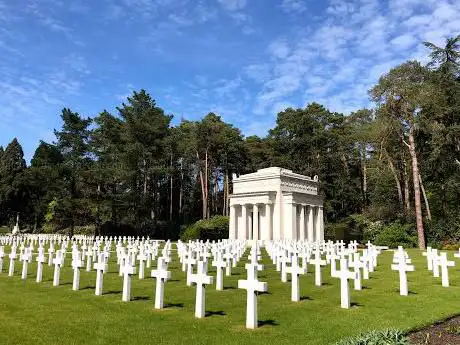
(134, 173)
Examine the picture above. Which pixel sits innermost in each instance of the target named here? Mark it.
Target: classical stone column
(267, 234)
(319, 224)
(232, 225)
(255, 222)
(277, 219)
(302, 223)
(310, 235)
(290, 221)
(244, 223)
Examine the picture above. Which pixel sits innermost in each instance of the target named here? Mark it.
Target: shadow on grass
(264, 293)
(112, 292)
(229, 288)
(355, 305)
(174, 305)
(270, 322)
(215, 313)
(141, 298)
(306, 298)
(87, 288)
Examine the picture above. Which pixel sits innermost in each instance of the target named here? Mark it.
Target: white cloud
(294, 6)
(259, 73)
(404, 41)
(279, 49)
(233, 5)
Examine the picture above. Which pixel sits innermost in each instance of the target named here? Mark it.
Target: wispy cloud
(294, 6)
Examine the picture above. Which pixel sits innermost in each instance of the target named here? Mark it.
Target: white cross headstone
(162, 275)
(50, 254)
(403, 267)
(89, 255)
(200, 279)
(41, 260)
(252, 285)
(128, 271)
(357, 264)
(190, 261)
(429, 258)
(318, 262)
(295, 270)
(445, 264)
(12, 257)
(219, 264)
(100, 267)
(435, 262)
(142, 259)
(58, 262)
(25, 258)
(344, 275)
(77, 263)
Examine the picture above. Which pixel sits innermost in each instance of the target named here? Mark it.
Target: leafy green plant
(382, 337)
(215, 228)
(396, 234)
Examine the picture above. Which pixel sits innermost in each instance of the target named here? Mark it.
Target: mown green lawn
(32, 313)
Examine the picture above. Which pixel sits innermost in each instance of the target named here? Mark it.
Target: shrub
(87, 230)
(213, 229)
(383, 337)
(444, 232)
(397, 234)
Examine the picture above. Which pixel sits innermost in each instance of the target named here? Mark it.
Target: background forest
(390, 174)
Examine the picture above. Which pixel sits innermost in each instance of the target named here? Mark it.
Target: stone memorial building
(274, 204)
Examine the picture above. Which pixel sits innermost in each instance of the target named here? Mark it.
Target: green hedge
(215, 228)
(384, 337)
(397, 234)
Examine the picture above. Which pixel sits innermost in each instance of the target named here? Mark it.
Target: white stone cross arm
(445, 264)
(200, 279)
(162, 275)
(403, 268)
(162, 271)
(252, 286)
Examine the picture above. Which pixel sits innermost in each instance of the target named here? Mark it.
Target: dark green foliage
(383, 337)
(213, 229)
(397, 234)
(132, 172)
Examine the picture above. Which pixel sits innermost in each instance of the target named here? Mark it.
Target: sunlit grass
(38, 313)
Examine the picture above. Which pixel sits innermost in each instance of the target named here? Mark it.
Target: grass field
(37, 313)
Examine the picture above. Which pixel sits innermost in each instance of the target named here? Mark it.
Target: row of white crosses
(402, 264)
(439, 264)
(285, 255)
(196, 256)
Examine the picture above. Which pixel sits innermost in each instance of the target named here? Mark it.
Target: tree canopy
(133, 172)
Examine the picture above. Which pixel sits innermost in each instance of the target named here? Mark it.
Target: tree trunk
(416, 182)
(395, 176)
(428, 212)
(365, 177)
(406, 187)
(203, 188)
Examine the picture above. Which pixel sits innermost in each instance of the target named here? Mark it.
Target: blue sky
(243, 59)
